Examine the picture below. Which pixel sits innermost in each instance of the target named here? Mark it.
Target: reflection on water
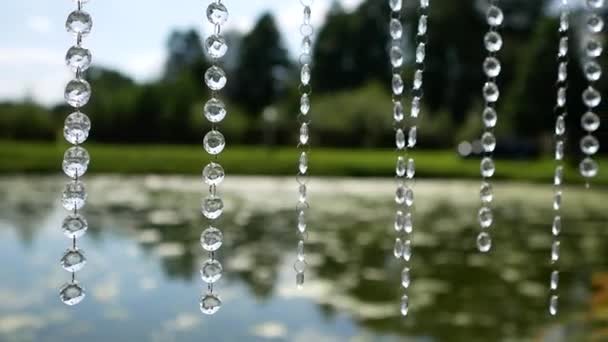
(144, 255)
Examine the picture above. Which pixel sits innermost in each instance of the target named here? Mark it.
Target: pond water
(143, 251)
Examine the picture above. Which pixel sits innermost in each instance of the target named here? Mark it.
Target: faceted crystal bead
(396, 29)
(215, 110)
(595, 4)
(590, 122)
(486, 193)
(590, 145)
(593, 71)
(214, 142)
(211, 271)
(212, 207)
(556, 229)
(564, 22)
(398, 114)
(405, 305)
(490, 117)
(395, 5)
(593, 48)
(557, 200)
(563, 47)
(78, 58)
(71, 294)
(484, 242)
(304, 134)
(216, 46)
(213, 174)
(304, 104)
(408, 225)
(560, 125)
(553, 305)
(405, 278)
(555, 253)
(485, 217)
(302, 225)
(77, 93)
(400, 139)
(399, 221)
(495, 16)
(400, 169)
(73, 260)
(409, 197)
(215, 78)
(74, 196)
(492, 67)
(303, 163)
(212, 239)
(217, 13)
(75, 162)
(300, 251)
(400, 194)
(300, 266)
(595, 23)
(562, 72)
(396, 56)
(300, 281)
(415, 110)
(493, 41)
(210, 304)
(588, 168)
(306, 45)
(407, 250)
(558, 179)
(412, 137)
(305, 74)
(591, 97)
(422, 25)
(397, 84)
(424, 4)
(74, 226)
(79, 22)
(303, 192)
(411, 168)
(559, 150)
(420, 53)
(490, 92)
(488, 142)
(307, 13)
(76, 128)
(487, 167)
(554, 280)
(398, 249)
(418, 78)
(561, 97)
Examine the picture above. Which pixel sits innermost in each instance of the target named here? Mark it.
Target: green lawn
(130, 159)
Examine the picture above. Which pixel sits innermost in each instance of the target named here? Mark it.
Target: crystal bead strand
(307, 30)
(76, 159)
(560, 138)
(491, 93)
(591, 96)
(213, 143)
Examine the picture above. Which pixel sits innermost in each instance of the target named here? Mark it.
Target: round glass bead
(591, 97)
(492, 67)
(212, 239)
(595, 4)
(73, 260)
(491, 92)
(485, 217)
(405, 305)
(215, 78)
(593, 71)
(305, 74)
(396, 56)
(217, 13)
(484, 242)
(396, 29)
(588, 168)
(216, 46)
(493, 41)
(74, 196)
(420, 53)
(78, 58)
(213, 174)
(593, 48)
(487, 167)
(77, 93)
(395, 5)
(212, 207)
(304, 104)
(495, 16)
(488, 142)
(590, 122)
(75, 162)
(595, 23)
(486, 193)
(71, 294)
(210, 304)
(79, 22)
(398, 114)
(300, 266)
(214, 142)
(490, 117)
(215, 110)
(211, 271)
(74, 226)
(405, 278)
(590, 145)
(76, 128)
(397, 84)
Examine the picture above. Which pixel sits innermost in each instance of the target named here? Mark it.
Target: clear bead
(396, 29)
(564, 22)
(591, 97)
(305, 74)
(212, 207)
(563, 47)
(553, 305)
(590, 145)
(400, 139)
(77, 93)
(307, 13)
(304, 104)
(407, 250)
(415, 110)
(557, 200)
(217, 13)
(593, 71)
(300, 251)
(395, 5)
(595, 4)
(210, 304)
(303, 192)
(412, 137)
(216, 46)
(300, 281)
(396, 56)
(420, 53)
(405, 305)
(214, 142)
(302, 225)
(491, 92)
(484, 242)
(559, 150)
(595, 23)
(74, 196)
(485, 217)
(399, 221)
(215, 110)
(304, 134)
(398, 114)
(400, 194)
(558, 179)
(486, 193)
(300, 266)
(215, 78)
(554, 280)
(556, 229)
(422, 25)
(71, 294)
(213, 174)
(74, 226)
(588, 168)
(79, 22)
(212, 239)
(397, 84)
(495, 16)
(490, 117)
(73, 260)
(590, 122)
(409, 197)
(555, 252)
(398, 249)
(78, 58)
(560, 125)
(593, 48)
(405, 278)
(306, 45)
(493, 41)
(76, 128)
(488, 141)
(561, 96)
(492, 67)
(408, 224)
(211, 271)
(424, 4)
(303, 163)
(411, 168)
(400, 169)
(488, 168)
(75, 162)
(418, 78)
(562, 72)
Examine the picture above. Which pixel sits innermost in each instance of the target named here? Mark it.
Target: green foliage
(26, 121)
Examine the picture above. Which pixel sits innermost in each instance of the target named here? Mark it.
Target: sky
(129, 36)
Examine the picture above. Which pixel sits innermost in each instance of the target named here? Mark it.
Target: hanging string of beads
(491, 68)
(307, 31)
(214, 143)
(560, 140)
(591, 96)
(76, 159)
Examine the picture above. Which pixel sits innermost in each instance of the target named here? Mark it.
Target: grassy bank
(129, 159)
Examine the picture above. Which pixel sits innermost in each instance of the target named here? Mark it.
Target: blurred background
(144, 188)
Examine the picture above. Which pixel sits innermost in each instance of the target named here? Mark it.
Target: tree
(185, 55)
